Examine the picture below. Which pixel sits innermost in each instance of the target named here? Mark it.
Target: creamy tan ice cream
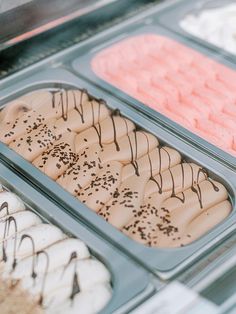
(120, 171)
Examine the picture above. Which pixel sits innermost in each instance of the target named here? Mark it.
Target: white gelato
(54, 273)
(216, 26)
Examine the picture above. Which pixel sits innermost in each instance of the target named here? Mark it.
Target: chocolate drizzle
(196, 189)
(159, 186)
(22, 239)
(75, 281)
(97, 127)
(152, 178)
(35, 255)
(4, 206)
(182, 170)
(173, 183)
(79, 108)
(7, 225)
(114, 132)
(63, 102)
(164, 225)
(213, 184)
(44, 275)
(204, 171)
(53, 93)
(169, 158)
(64, 105)
(133, 159)
(160, 160)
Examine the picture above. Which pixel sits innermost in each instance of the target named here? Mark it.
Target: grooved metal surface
(20, 56)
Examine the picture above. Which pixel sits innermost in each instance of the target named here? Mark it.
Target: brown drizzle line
(159, 186)
(116, 112)
(7, 226)
(204, 171)
(166, 227)
(24, 237)
(79, 108)
(75, 284)
(45, 274)
(133, 162)
(4, 206)
(35, 255)
(97, 127)
(194, 186)
(64, 104)
(53, 93)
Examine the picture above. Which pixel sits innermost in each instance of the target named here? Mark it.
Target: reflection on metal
(46, 17)
(6, 5)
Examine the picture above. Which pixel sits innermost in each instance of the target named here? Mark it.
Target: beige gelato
(120, 171)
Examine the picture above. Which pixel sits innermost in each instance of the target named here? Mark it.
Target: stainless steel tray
(82, 66)
(31, 18)
(164, 262)
(131, 284)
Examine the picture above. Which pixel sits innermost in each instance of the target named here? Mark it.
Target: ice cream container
(187, 16)
(129, 287)
(171, 87)
(165, 262)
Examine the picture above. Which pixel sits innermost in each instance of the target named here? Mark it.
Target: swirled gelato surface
(43, 270)
(119, 170)
(216, 26)
(180, 83)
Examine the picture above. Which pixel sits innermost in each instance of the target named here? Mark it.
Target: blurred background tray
(16, 54)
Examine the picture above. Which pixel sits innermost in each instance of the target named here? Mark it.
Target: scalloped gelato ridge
(117, 169)
(182, 84)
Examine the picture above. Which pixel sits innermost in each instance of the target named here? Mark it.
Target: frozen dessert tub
(165, 262)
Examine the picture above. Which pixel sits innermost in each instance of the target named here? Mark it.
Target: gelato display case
(117, 157)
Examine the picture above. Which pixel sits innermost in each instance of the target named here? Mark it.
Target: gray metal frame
(216, 271)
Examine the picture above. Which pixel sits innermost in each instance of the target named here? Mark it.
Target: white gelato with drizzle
(55, 270)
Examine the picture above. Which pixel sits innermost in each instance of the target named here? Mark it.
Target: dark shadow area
(37, 48)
